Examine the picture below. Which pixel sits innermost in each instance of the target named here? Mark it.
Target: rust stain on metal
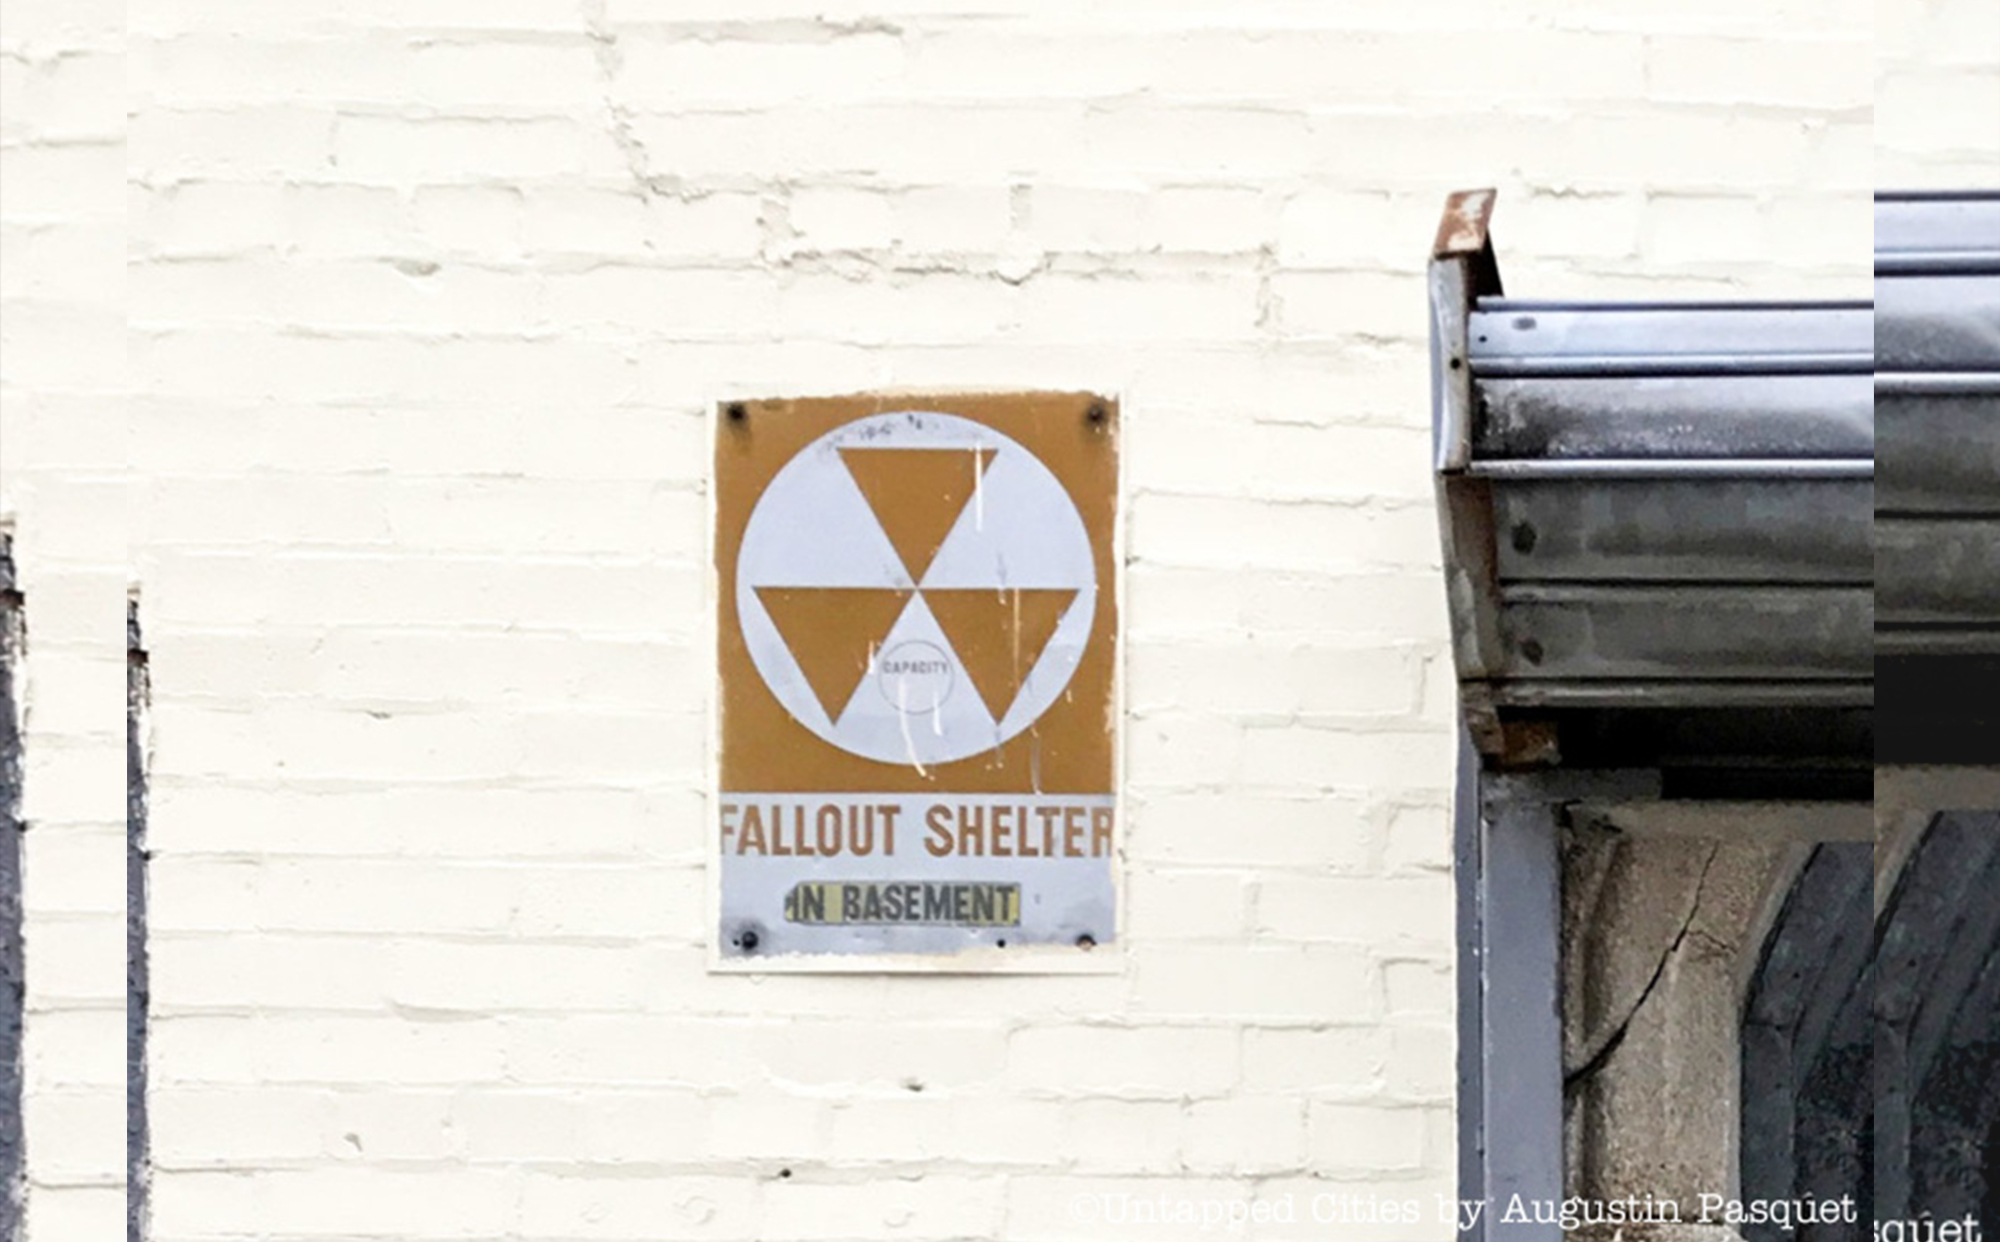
(1462, 230)
(1528, 744)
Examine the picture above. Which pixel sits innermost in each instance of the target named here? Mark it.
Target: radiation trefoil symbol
(916, 588)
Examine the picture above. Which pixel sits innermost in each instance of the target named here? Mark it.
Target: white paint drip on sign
(978, 489)
(903, 715)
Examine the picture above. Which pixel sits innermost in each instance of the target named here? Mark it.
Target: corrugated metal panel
(1653, 506)
(1938, 322)
(1939, 571)
(1937, 232)
(1621, 632)
(1509, 338)
(1938, 493)
(1677, 418)
(1937, 453)
(1722, 531)
(1938, 503)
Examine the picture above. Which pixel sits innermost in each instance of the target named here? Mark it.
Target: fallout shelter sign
(917, 654)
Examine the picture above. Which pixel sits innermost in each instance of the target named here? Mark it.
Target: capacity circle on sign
(932, 561)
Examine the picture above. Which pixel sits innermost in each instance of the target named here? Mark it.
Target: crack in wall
(638, 160)
(1596, 1059)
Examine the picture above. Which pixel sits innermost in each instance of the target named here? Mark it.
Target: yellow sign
(918, 658)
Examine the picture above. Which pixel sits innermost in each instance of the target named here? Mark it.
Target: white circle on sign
(900, 542)
(914, 677)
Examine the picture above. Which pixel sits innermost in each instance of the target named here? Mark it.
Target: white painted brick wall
(1937, 94)
(63, 490)
(427, 302)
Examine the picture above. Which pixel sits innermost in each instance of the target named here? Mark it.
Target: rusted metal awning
(1937, 502)
(1656, 518)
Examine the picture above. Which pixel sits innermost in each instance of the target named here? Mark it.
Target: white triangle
(1019, 531)
(777, 665)
(920, 732)
(813, 527)
(1053, 669)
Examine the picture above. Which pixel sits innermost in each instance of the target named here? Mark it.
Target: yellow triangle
(999, 634)
(916, 494)
(833, 632)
